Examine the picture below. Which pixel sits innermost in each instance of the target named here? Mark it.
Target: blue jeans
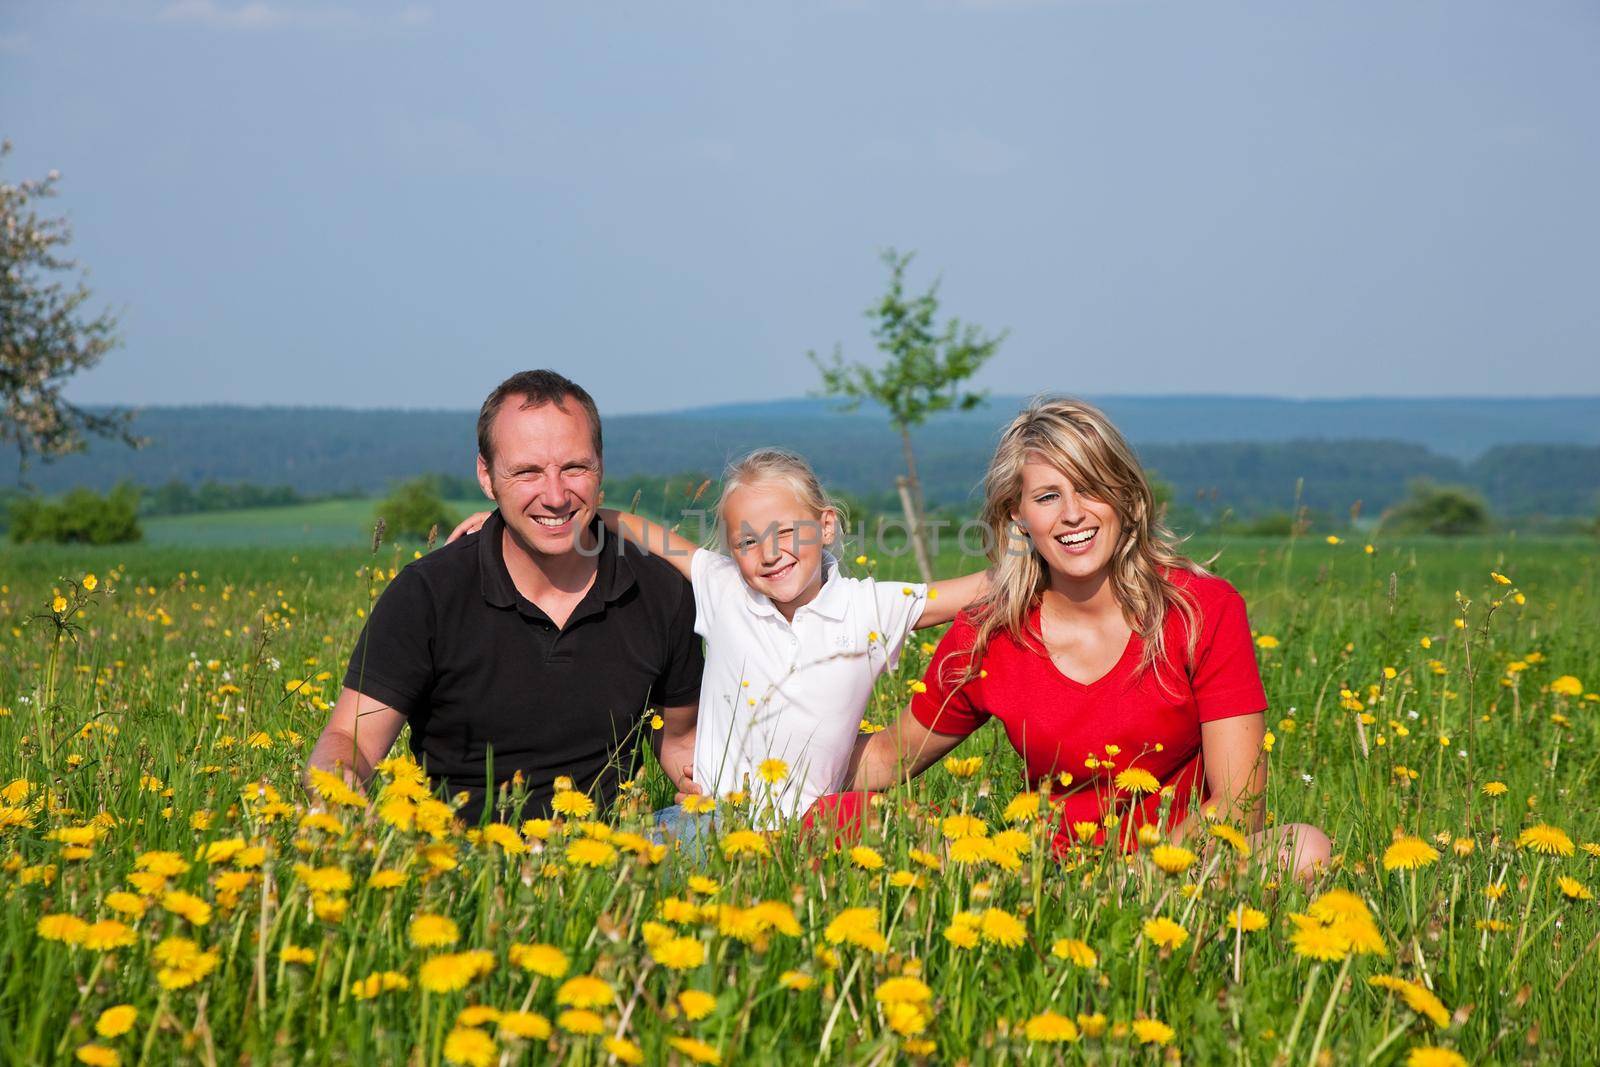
(691, 830)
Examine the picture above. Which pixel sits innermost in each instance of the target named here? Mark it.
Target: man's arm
(359, 734)
(900, 751)
(674, 744)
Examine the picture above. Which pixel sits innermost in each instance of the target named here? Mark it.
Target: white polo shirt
(773, 689)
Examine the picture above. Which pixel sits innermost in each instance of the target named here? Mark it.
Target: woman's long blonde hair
(1079, 440)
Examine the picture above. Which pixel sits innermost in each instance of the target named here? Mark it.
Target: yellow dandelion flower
(572, 803)
(525, 1025)
(546, 960)
(1494, 789)
(1137, 780)
(1075, 952)
(679, 953)
(1236, 840)
(92, 1054)
(773, 771)
(1316, 941)
(114, 1022)
(696, 1050)
(1002, 928)
(1550, 840)
(1174, 859)
(963, 767)
(1408, 854)
(796, 980)
(696, 1004)
(868, 859)
(1049, 1027)
(581, 1021)
(1431, 1056)
(1418, 998)
(1573, 889)
(624, 1050)
(433, 931)
(856, 926)
(903, 989)
(744, 843)
(585, 991)
(1152, 1032)
(1164, 932)
(588, 852)
(470, 1046)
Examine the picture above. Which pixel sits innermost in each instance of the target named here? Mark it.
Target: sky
(397, 205)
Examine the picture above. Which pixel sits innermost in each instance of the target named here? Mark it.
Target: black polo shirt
(491, 686)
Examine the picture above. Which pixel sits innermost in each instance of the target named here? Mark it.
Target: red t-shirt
(1057, 724)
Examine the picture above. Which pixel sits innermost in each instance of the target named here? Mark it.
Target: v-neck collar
(1129, 651)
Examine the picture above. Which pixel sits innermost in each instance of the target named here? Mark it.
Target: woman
(1115, 664)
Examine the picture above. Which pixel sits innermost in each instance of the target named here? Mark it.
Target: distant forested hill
(1528, 456)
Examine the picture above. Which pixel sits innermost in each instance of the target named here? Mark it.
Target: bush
(1447, 510)
(82, 517)
(413, 510)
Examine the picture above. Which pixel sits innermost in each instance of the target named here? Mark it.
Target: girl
(793, 646)
(1116, 665)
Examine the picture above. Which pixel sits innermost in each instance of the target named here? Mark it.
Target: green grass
(326, 523)
(158, 716)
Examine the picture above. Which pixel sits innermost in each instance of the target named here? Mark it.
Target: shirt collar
(831, 602)
(613, 578)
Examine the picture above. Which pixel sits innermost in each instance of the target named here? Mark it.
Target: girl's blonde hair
(1079, 440)
(766, 465)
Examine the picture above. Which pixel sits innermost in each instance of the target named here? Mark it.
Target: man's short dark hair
(537, 388)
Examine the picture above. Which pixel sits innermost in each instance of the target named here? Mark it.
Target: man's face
(545, 475)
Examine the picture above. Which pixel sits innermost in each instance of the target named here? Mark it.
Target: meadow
(170, 896)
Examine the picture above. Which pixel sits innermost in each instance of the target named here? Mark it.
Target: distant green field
(325, 523)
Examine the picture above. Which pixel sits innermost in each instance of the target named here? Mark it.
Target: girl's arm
(951, 597)
(652, 537)
(1236, 774)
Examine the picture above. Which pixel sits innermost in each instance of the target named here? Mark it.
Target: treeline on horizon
(204, 459)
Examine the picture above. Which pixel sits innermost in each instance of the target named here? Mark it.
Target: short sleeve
(941, 706)
(715, 578)
(393, 657)
(895, 608)
(1225, 677)
(679, 681)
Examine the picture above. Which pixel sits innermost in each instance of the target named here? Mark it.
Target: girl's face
(1075, 534)
(777, 541)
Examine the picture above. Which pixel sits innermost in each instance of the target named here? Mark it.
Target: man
(534, 646)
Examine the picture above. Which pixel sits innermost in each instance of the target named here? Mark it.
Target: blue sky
(397, 205)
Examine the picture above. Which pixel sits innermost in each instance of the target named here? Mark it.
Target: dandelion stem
(1527, 909)
(1305, 1002)
(1327, 1012)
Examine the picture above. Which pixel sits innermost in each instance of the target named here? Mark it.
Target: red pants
(843, 813)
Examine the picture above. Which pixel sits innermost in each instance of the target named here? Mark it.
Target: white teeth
(547, 520)
(1082, 537)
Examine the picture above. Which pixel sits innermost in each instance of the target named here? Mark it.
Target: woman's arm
(898, 752)
(951, 597)
(653, 537)
(1236, 773)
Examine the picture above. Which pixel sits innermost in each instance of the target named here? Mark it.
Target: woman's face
(1074, 533)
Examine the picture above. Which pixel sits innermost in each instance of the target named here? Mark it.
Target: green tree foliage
(1448, 510)
(81, 516)
(924, 373)
(414, 510)
(45, 336)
